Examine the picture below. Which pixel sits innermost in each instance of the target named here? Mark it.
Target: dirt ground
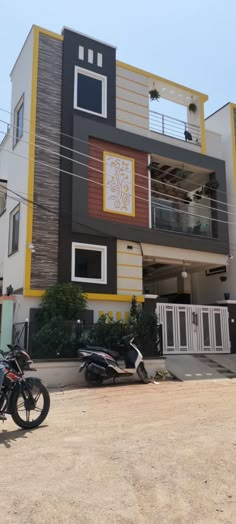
(130, 454)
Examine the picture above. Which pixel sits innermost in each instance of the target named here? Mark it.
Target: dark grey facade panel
(102, 240)
(83, 129)
(44, 270)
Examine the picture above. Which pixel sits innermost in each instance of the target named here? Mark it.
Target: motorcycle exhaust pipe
(98, 370)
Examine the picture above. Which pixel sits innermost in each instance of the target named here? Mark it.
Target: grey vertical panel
(46, 181)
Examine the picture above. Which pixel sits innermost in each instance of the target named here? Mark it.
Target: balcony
(174, 128)
(178, 218)
(183, 198)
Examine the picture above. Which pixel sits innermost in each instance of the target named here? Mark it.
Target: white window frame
(97, 76)
(16, 111)
(90, 247)
(11, 216)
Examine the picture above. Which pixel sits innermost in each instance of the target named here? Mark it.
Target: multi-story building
(121, 199)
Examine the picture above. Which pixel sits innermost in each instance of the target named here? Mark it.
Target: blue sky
(192, 43)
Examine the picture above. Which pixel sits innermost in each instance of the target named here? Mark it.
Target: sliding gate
(194, 329)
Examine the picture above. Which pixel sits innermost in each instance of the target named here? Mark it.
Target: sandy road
(125, 454)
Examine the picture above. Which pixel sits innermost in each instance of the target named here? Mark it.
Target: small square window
(18, 121)
(89, 263)
(90, 92)
(14, 229)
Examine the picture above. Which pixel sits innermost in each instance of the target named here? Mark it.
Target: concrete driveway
(130, 454)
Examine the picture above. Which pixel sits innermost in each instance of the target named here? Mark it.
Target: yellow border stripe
(29, 226)
(129, 124)
(203, 130)
(128, 289)
(130, 265)
(232, 108)
(130, 254)
(131, 80)
(142, 72)
(132, 102)
(132, 113)
(92, 296)
(132, 91)
(130, 278)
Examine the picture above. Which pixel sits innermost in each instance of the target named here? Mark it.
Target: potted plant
(192, 107)
(154, 94)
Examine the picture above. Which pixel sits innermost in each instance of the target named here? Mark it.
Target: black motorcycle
(26, 399)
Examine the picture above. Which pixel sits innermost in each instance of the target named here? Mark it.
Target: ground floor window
(89, 263)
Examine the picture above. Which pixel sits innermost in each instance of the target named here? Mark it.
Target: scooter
(101, 364)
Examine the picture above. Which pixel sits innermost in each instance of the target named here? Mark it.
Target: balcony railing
(166, 125)
(179, 218)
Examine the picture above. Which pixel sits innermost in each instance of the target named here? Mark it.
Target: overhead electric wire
(137, 174)
(98, 160)
(162, 206)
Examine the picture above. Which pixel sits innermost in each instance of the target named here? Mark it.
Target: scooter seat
(114, 354)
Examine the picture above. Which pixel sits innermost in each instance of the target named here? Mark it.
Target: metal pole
(26, 334)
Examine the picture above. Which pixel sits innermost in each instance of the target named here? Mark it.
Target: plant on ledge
(192, 107)
(154, 94)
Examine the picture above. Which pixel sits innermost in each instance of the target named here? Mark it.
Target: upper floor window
(18, 121)
(90, 92)
(14, 229)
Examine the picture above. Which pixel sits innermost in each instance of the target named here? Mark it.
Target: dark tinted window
(89, 93)
(88, 263)
(14, 231)
(19, 122)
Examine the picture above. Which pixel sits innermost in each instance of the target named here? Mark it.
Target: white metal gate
(194, 329)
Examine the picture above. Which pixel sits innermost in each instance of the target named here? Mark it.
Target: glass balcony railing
(180, 218)
(175, 128)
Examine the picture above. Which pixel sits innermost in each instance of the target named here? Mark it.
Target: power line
(137, 185)
(98, 160)
(101, 184)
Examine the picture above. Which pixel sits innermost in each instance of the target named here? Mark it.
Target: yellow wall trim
(43, 31)
(91, 296)
(202, 128)
(232, 108)
(28, 292)
(130, 278)
(114, 298)
(161, 79)
(132, 102)
(129, 124)
(134, 82)
(29, 227)
(131, 113)
(130, 254)
(129, 265)
(132, 91)
(133, 291)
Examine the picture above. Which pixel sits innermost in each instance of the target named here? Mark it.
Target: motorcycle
(101, 364)
(26, 399)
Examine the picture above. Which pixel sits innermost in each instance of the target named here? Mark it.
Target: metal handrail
(170, 126)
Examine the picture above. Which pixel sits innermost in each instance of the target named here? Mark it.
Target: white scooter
(102, 364)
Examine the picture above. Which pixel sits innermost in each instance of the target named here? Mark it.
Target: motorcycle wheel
(29, 419)
(93, 379)
(142, 373)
